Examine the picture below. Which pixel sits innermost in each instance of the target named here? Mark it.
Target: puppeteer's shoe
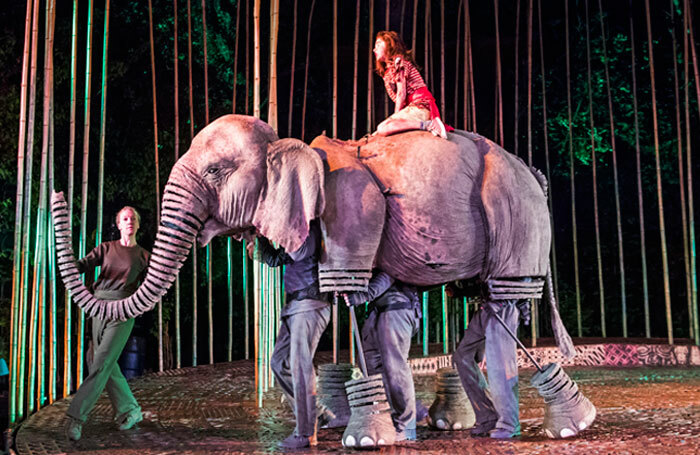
(130, 420)
(407, 434)
(294, 441)
(498, 433)
(437, 128)
(483, 429)
(73, 429)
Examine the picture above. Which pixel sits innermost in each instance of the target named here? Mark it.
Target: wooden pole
(640, 197)
(662, 224)
(620, 246)
(292, 71)
(306, 70)
(176, 105)
(356, 53)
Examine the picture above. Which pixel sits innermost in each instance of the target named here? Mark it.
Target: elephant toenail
(350, 441)
(381, 442)
(441, 424)
(582, 426)
(366, 441)
(457, 426)
(566, 432)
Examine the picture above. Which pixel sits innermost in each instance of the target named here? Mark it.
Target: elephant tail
(561, 336)
(541, 179)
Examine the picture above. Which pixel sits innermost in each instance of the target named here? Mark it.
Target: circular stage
(212, 410)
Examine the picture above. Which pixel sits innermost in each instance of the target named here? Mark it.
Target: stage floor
(212, 410)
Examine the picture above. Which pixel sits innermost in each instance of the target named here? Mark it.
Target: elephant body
(424, 209)
(451, 210)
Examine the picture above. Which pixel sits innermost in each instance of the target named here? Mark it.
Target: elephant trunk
(181, 219)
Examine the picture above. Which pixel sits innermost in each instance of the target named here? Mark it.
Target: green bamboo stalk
(534, 319)
(68, 326)
(445, 329)
(689, 175)
(84, 194)
(620, 243)
(640, 197)
(247, 55)
(662, 224)
(51, 280)
(426, 341)
(246, 302)
(15, 329)
(26, 231)
(466, 312)
(210, 300)
(681, 177)
(594, 166)
(545, 134)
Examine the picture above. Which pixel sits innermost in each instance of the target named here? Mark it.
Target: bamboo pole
(15, 329)
(662, 224)
(640, 197)
(465, 80)
(256, 272)
(681, 177)
(68, 327)
(84, 193)
(426, 47)
(458, 75)
(272, 89)
(176, 106)
(403, 13)
(195, 262)
(157, 169)
(533, 305)
(442, 59)
(292, 71)
(517, 67)
(235, 56)
(210, 284)
(246, 301)
(445, 326)
(689, 174)
(426, 341)
(356, 52)
(620, 244)
(370, 65)
(468, 30)
(413, 28)
(335, 76)
(545, 134)
(387, 26)
(247, 56)
(103, 125)
(51, 245)
(596, 220)
(306, 70)
(499, 81)
(572, 174)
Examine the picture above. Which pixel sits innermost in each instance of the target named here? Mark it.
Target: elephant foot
(370, 424)
(451, 409)
(567, 411)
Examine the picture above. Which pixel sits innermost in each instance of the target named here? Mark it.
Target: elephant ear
(293, 195)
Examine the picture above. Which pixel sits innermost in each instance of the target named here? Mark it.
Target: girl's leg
(398, 125)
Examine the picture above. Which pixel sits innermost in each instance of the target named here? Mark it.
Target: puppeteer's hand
(355, 298)
(253, 252)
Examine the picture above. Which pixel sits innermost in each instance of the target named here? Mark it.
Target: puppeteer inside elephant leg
(370, 424)
(451, 409)
(332, 401)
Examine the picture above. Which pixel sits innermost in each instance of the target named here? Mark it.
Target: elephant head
(237, 176)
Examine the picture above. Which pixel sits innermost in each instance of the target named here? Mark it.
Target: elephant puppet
(423, 209)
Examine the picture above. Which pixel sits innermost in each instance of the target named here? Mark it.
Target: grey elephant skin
(423, 209)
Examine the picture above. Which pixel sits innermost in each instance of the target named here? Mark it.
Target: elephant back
(435, 229)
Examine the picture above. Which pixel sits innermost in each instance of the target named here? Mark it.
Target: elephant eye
(213, 170)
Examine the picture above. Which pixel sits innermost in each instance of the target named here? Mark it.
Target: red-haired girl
(415, 105)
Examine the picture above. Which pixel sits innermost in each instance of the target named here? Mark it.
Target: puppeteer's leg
(475, 385)
(370, 344)
(394, 331)
(292, 364)
(502, 368)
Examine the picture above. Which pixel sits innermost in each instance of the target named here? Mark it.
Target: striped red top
(414, 80)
